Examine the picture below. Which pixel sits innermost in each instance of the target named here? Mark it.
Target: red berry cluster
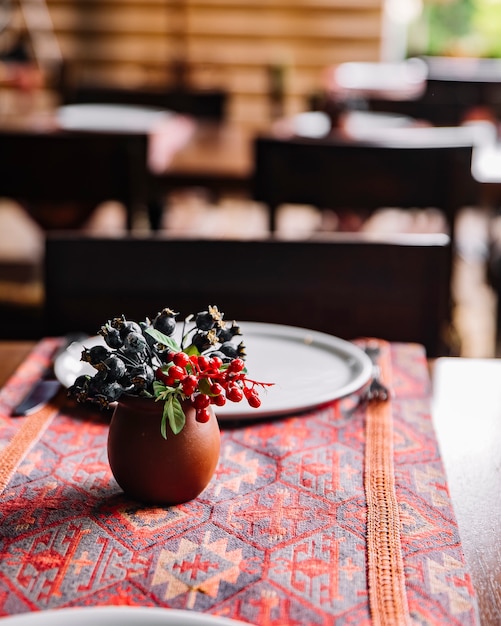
(205, 380)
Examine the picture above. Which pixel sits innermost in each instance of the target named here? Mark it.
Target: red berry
(201, 401)
(237, 365)
(203, 362)
(161, 375)
(181, 359)
(216, 389)
(189, 384)
(216, 362)
(254, 400)
(176, 372)
(218, 400)
(209, 373)
(234, 393)
(202, 415)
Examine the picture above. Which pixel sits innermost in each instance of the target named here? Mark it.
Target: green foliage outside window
(457, 28)
(487, 22)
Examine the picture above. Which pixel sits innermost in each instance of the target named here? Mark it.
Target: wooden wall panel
(226, 43)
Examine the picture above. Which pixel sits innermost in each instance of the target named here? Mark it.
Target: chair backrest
(53, 168)
(337, 173)
(396, 288)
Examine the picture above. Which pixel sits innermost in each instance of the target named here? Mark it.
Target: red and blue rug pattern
(279, 537)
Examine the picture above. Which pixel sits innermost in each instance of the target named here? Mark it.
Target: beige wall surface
(229, 44)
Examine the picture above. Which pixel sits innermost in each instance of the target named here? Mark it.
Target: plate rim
(169, 616)
(242, 411)
(341, 345)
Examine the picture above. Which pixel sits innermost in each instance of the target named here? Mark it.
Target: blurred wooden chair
(396, 288)
(59, 177)
(405, 168)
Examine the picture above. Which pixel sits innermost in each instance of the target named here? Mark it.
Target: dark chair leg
(272, 217)
(155, 213)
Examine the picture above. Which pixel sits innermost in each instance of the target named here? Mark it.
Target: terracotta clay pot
(155, 470)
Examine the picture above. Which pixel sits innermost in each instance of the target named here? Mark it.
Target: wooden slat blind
(225, 43)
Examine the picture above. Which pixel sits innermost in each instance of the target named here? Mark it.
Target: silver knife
(38, 396)
(46, 388)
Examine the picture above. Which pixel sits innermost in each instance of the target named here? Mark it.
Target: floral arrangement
(144, 359)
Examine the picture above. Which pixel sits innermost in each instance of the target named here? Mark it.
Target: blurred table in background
(351, 85)
(457, 89)
(205, 104)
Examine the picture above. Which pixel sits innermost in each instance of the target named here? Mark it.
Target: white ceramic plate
(308, 368)
(118, 616)
(110, 117)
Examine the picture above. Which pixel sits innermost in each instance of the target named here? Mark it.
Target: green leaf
(191, 349)
(204, 386)
(161, 391)
(163, 339)
(158, 387)
(163, 423)
(175, 414)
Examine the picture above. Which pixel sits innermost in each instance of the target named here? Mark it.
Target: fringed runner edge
(386, 578)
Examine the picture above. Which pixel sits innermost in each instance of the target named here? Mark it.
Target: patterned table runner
(339, 515)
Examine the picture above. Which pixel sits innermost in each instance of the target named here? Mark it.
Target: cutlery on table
(377, 389)
(46, 388)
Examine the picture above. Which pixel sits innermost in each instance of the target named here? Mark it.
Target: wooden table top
(467, 418)
(12, 353)
(466, 413)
